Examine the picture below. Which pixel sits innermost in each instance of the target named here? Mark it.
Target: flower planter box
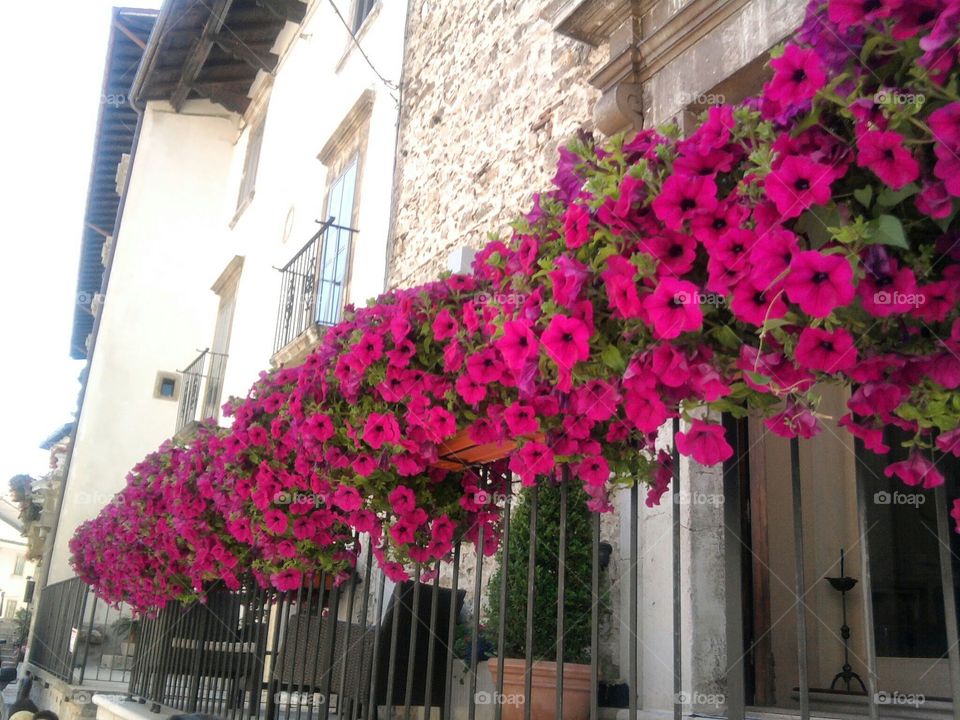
(460, 452)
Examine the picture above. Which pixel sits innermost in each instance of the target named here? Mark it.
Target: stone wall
(490, 92)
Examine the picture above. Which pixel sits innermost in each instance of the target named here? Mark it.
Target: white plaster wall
(179, 232)
(153, 319)
(318, 82)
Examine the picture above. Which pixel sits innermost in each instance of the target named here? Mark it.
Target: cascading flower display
(805, 236)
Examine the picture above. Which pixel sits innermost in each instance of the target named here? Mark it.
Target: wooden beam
(292, 10)
(220, 94)
(200, 52)
(243, 52)
(133, 37)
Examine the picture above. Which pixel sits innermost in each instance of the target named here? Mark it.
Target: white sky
(54, 63)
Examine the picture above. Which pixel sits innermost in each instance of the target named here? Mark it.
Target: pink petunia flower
(618, 278)
(847, 13)
(576, 225)
(521, 419)
(347, 498)
(756, 303)
(798, 75)
(445, 326)
(674, 308)
(381, 429)
(287, 579)
(883, 154)
(917, 469)
(683, 197)
(402, 500)
(826, 351)
(798, 184)
(594, 470)
(518, 344)
(819, 283)
(704, 442)
(567, 342)
(533, 459)
(794, 421)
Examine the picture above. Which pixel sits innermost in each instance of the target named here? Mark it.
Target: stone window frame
(348, 143)
(359, 31)
(254, 127)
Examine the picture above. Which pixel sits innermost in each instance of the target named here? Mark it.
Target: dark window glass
(167, 386)
(363, 9)
(905, 556)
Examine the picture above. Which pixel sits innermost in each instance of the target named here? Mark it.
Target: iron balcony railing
(79, 638)
(201, 385)
(313, 283)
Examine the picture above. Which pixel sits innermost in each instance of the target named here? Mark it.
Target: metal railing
(313, 283)
(79, 638)
(201, 385)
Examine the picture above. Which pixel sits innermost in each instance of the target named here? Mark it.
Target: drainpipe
(391, 228)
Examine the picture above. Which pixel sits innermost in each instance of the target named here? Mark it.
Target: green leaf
(612, 358)
(887, 230)
(816, 222)
(727, 337)
(888, 198)
(864, 195)
(757, 378)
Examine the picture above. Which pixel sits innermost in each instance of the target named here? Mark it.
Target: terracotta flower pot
(576, 690)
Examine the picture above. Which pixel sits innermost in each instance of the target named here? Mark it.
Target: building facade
(291, 158)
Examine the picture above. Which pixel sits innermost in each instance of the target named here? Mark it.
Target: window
(335, 252)
(226, 287)
(166, 386)
(19, 564)
(10, 609)
(251, 161)
(362, 10)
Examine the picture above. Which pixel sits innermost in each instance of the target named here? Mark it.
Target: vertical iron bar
(371, 712)
(561, 587)
(305, 631)
(318, 656)
(595, 619)
(432, 639)
(342, 686)
(333, 600)
(392, 659)
(866, 587)
(800, 581)
(364, 607)
(677, 579)
(634, 676)
(531, 604)
(949, 600)
(412, 644)
(475, 634)
(732, 543)
(86, 649)
(451, 628)
(501, 620)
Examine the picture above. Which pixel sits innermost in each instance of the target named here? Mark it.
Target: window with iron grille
(362, 10)
(335, 250)
(19, 564)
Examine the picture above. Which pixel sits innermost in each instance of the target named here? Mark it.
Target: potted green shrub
(577, 606)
